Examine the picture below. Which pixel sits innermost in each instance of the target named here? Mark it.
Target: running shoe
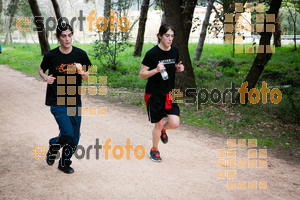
(50, 161)
(66, 169)
(164, 136)
(154, 156)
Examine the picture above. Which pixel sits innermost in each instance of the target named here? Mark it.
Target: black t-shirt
(65, 88)
(155, 84)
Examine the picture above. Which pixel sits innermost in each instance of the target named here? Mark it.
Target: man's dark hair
(63, 27)
(163, 29)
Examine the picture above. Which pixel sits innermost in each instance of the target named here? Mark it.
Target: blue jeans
(68, 138)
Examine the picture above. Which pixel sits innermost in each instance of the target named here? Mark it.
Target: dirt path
(188, 171)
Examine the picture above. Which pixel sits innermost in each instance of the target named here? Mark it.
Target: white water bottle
(164, 74)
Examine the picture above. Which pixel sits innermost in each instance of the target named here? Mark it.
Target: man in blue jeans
(65, 73)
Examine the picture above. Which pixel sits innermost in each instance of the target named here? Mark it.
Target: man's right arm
(49, 79)
(145, 73)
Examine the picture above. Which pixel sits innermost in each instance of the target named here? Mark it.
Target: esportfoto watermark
(202, 96)
(117, 151)
(101, 22)
(66, 91)
(229, 164)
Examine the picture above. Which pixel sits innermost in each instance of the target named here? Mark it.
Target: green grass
(273, 125)
(284, 64)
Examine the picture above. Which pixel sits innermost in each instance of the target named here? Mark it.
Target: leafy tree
(57, 11)
(293, 8)
(141, 31)
(116, 41)
(287, 26)
(278, 31)
(261, 59)
(179, 14)
(41, 29)
(205, 25)
(107, 7)
(10, 11)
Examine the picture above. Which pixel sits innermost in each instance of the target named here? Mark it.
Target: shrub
(229, 72)
(227, 62)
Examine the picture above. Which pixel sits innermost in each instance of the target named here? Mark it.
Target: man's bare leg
(173, 122)
(157, 132)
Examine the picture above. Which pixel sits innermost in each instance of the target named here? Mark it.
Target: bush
(202, 73)
(229, 72)
(227, 62)
(290, 109)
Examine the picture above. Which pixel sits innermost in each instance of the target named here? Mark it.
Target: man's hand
(84, 75)
(79, 68)
(179, 67)
(50, 79)
(160, 67)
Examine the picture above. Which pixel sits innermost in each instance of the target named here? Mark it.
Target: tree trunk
(295, 31)
(278, 31)
(295, 39)
(261, 59)
(163, 19)
(179, 14)
(1, 7)
(8, 37)
(57, 11)
(205, 24)
(107, 5)
(160, 4)
(295, 28)
(141, 32)
(12, 9)
(40, 26)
